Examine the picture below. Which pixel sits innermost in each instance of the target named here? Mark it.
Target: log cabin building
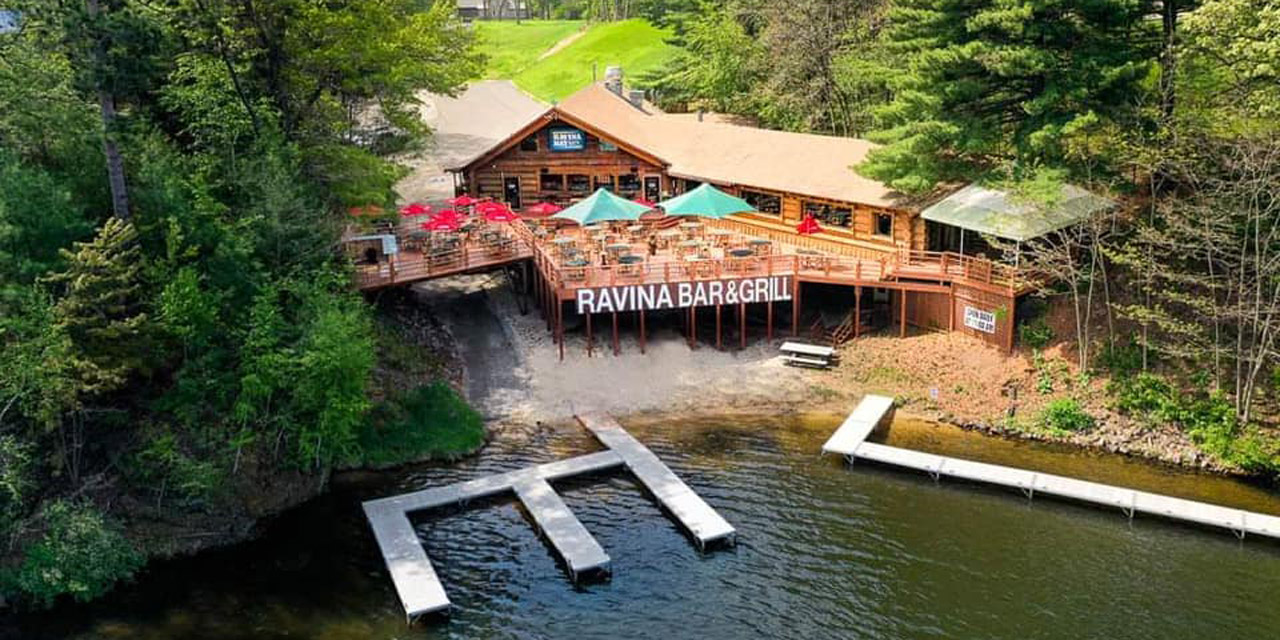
(888, 258)
(598, 137)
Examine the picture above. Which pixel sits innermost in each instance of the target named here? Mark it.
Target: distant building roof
(996, 213)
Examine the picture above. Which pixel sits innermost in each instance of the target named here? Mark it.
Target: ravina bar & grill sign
(679, 295)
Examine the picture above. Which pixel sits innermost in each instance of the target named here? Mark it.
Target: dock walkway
(694, 514)
(849, 441)
(416, 581)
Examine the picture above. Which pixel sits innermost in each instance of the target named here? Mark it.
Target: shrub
(162, 466)
(1120, 359)
(1146, 394)
(81, 555)
(15, 461)
(1065, 415)
(430, 421)
(1035, 334)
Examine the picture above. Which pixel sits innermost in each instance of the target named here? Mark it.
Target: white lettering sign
(984, 321)
(652, 297)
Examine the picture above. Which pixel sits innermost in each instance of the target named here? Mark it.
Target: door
(511, 191)
(652, 188)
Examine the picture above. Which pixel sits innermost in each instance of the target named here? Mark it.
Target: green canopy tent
(602, 206)
(705, 201)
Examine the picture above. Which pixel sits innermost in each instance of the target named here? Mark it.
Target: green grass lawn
(514, 47)
(635, 45)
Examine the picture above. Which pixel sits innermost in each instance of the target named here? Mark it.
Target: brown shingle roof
(801, 163)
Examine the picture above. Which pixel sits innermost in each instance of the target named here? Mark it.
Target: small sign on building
(566, 139)
(984, 321)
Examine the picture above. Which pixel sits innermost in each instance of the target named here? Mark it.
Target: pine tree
(993, 83)
(100, 309)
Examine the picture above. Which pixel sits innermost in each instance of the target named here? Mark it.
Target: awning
(996, 213)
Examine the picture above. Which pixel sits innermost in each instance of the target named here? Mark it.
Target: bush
(81, 555)
(1035, 334)
(430, 421)
(1065, 415)
(15, 462)
(164, 468)
(1121, 359)
(1146, 394)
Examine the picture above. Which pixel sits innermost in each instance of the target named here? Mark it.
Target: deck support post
(742, 325)
(616, 349)
(768, 323)
(902, 314)
(590, 341)
(560, 326)
(693, 327)
(641, 314)
(857, 312)
(719, 346)
(795, 307)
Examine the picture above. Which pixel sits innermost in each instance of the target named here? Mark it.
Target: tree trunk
(110, 147)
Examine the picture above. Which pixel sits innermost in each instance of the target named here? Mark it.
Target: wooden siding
(1001, 306)
(486, 180)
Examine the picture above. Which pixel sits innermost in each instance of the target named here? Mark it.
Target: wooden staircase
(836, 336)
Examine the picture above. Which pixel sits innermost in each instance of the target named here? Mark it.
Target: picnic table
(807, 355)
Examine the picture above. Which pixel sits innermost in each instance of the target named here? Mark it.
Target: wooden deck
(849, 441)
(784, 256)
(692, 512)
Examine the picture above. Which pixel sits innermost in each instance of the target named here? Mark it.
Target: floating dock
(849, 441)
(416, 581)
(693, 513)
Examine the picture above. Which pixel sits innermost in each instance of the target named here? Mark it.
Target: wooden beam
(693, 327)
(641, 312)
(742, 325)
(795, 307)
(589, 338)
(902, 313)
(616, 349)
(560, 327)
(857, 312)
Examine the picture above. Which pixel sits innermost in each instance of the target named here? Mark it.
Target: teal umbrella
(602, 206)
(706, 201)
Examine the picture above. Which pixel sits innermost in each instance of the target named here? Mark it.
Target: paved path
(463, 127)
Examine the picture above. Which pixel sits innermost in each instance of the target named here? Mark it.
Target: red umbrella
(645, 203)
(442, 224)
(415, 209)
(500, 214)
(447, 214)
(491, 206)
(544, 209)
(463, 200)
(808, 226)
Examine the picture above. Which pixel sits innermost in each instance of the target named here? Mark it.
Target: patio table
(741, 253)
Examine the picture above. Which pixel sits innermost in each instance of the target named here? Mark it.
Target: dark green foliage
(173, 475)
(1035, 334)
(986, 83)
(1120, 359)
(15, 479)
(429, 421)
(81, 555)
(1065, 415)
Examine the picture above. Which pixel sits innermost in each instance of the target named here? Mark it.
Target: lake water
(825, 551)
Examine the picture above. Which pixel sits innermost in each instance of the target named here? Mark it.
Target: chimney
(636, 98)
(613, 79)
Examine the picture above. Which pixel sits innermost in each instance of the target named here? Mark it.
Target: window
(604, 182)
(608, 146)
(884, 224)
(551, 182)
(579, 183)
(829, 216)
(629, 183)
(529, 144)
(763, 202)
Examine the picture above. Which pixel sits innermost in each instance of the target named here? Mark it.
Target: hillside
(515, 49)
